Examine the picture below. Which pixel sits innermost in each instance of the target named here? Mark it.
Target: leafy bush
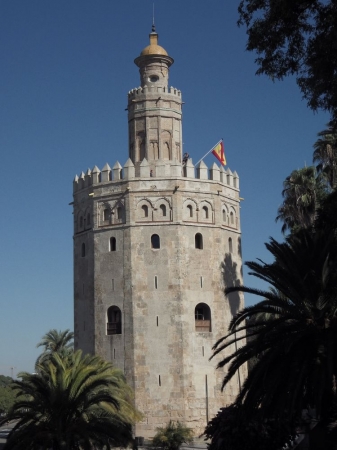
(231, 429)
(172, 436)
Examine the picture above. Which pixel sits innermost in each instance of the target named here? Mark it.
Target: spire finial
(153, 25)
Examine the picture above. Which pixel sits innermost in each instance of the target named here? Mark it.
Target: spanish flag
(219, 152)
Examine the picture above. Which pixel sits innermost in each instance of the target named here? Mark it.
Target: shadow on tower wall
(230, 278)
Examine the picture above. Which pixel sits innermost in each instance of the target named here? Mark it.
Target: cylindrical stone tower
(154, 247)
(154, 110)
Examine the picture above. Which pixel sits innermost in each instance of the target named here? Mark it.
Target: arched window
(224, 216)
(231, 218)
(205, 212)
(163, 210)
(81, 222)
(119, 212)
(106, 215)
(190, 210)
(198, 241)
(112, 244)
(88, 219)
(145, 210)
(230, 245)
(155, 241)
(202, 315)
(83, 250)
(114, 324)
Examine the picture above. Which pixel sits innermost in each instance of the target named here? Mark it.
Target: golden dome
(154, 48)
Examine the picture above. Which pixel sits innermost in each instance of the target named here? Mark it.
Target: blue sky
(66, 68)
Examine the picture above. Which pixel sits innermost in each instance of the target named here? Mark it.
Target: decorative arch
(232, 217)
(162, 210)
(224, 214)
(166, 145)
(140, 146)
(190, 209)
(105, 213)
(144, 210)
(118, 212)
(205, 211)
(80, 222)
(87, 218)
(114, 321)
(203, 320)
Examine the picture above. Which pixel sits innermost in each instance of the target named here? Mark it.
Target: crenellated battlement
(162, 170)
(134, 93)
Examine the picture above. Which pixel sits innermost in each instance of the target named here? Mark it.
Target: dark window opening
(114, 325)
(230, 245)
(106, 215)
(202, 316)
(88, 219)
(83, 250)
(190, 209)
(198, 241)
(231, 218)
(155, 241)
(145, 211)
(119, 213)
(205, 212)
(163, 210)
(112, 244)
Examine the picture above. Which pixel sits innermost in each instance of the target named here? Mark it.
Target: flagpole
(209, 151)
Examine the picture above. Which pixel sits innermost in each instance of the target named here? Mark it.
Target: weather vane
(153, 25)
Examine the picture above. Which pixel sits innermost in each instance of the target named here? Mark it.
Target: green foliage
(172, 436)
(296, 37)
(295, 336)
(230, 429)
(325, 155)
(7, 398)
(61, 342)
(5, 381)
(72, 403)
(302, 193)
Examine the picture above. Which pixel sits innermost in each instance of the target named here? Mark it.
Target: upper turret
(154, 63)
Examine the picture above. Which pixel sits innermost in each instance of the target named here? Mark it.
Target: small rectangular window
(201, 282)
(159, 381)
(203, 351)
(157, 320)
(156, 282)
(114, 353)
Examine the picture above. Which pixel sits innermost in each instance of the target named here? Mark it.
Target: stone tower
(155, 242)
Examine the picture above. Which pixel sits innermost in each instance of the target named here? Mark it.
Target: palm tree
(172, 436)
(295, 334)
(54, 341)
(325, 155)
(302, 192)
(73, 403)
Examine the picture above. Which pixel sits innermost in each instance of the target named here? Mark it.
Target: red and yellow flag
(219, 152)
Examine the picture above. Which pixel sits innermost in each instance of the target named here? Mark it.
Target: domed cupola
(153, 63)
